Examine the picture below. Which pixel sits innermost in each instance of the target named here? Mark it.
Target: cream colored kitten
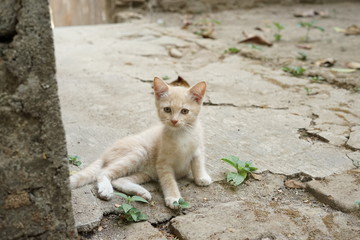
(163, 153)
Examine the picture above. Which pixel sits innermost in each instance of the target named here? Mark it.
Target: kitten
(163, 153)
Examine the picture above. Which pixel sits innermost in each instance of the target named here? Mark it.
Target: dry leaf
(186, 22)
(256, 176)
(304, 46)
(327, 62)
(353, 65)
(255, 39)
(352, 30)
(337, 29)
(307, 13)
(262, 29)
(343, 70)
(291, 183)
(312, 13)
(180, 82)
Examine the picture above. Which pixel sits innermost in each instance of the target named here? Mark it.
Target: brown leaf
(304, 46)
(353, 65)
(180, 82)
(327, 62)
(312, 13)
(256, 176)
(307, 13)
(255, 39)
(291, 183)
(352, 30)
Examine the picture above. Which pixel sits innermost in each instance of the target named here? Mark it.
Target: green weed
(301, 56)
(232, 50)
(74, 160)
(308, 27)
(255, 46)
(130, 213)
(182, 204)
(242, 170)
(278, 27)
(296, 71)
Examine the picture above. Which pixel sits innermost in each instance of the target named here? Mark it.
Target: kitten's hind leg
(130, 185)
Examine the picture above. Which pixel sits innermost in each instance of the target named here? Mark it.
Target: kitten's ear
(160, 87)
(198, 91)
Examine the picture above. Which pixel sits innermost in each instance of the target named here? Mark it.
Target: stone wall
(35, 201)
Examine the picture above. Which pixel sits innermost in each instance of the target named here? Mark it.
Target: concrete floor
(289, 127)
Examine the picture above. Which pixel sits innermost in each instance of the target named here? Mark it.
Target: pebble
(175, 53)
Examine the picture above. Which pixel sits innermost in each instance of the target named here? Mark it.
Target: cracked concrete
(252, 110)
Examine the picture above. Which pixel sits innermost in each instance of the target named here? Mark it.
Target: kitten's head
(178, 106)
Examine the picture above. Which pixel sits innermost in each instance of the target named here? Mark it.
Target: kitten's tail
(86, 175)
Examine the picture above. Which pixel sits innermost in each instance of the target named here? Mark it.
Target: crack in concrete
(355, 162)
(210, 103)
(305, 134)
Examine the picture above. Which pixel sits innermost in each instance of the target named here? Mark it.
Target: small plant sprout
(74, 160)
(130, 213)
(232, 50)
(357, 203)
(317, 79)
(278, 27)
(301, 56)
(255, 46)
(296, 71)
(166, 77)
(242, 170)
(182, 204)
(308, 27)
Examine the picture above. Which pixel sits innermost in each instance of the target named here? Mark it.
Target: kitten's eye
(184, 111)
(167, 109)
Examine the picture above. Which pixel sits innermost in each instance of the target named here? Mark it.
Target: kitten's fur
(163, 153)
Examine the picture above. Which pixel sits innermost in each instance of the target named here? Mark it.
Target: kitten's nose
(174, 122)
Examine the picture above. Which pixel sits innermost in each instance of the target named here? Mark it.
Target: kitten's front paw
(203, 180)
(169, 201)
(146, 195)
(105, 190)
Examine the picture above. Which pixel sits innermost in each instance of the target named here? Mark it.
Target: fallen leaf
(255, 39)
(256, 176)
(353, 65)
(312, 13)
(352, 30)
(304, 46)
(186, 22)
(343, 70)
(261, 29)
(180, 82)
(307, 13)
(337, 29)
(327, 62)
(291, 183)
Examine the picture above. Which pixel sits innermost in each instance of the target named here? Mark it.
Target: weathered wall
(34, 193)
(89, 12)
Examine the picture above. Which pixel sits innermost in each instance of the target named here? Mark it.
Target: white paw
(203, 180)
(169, 201)
(146, 195)
(105, 189)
